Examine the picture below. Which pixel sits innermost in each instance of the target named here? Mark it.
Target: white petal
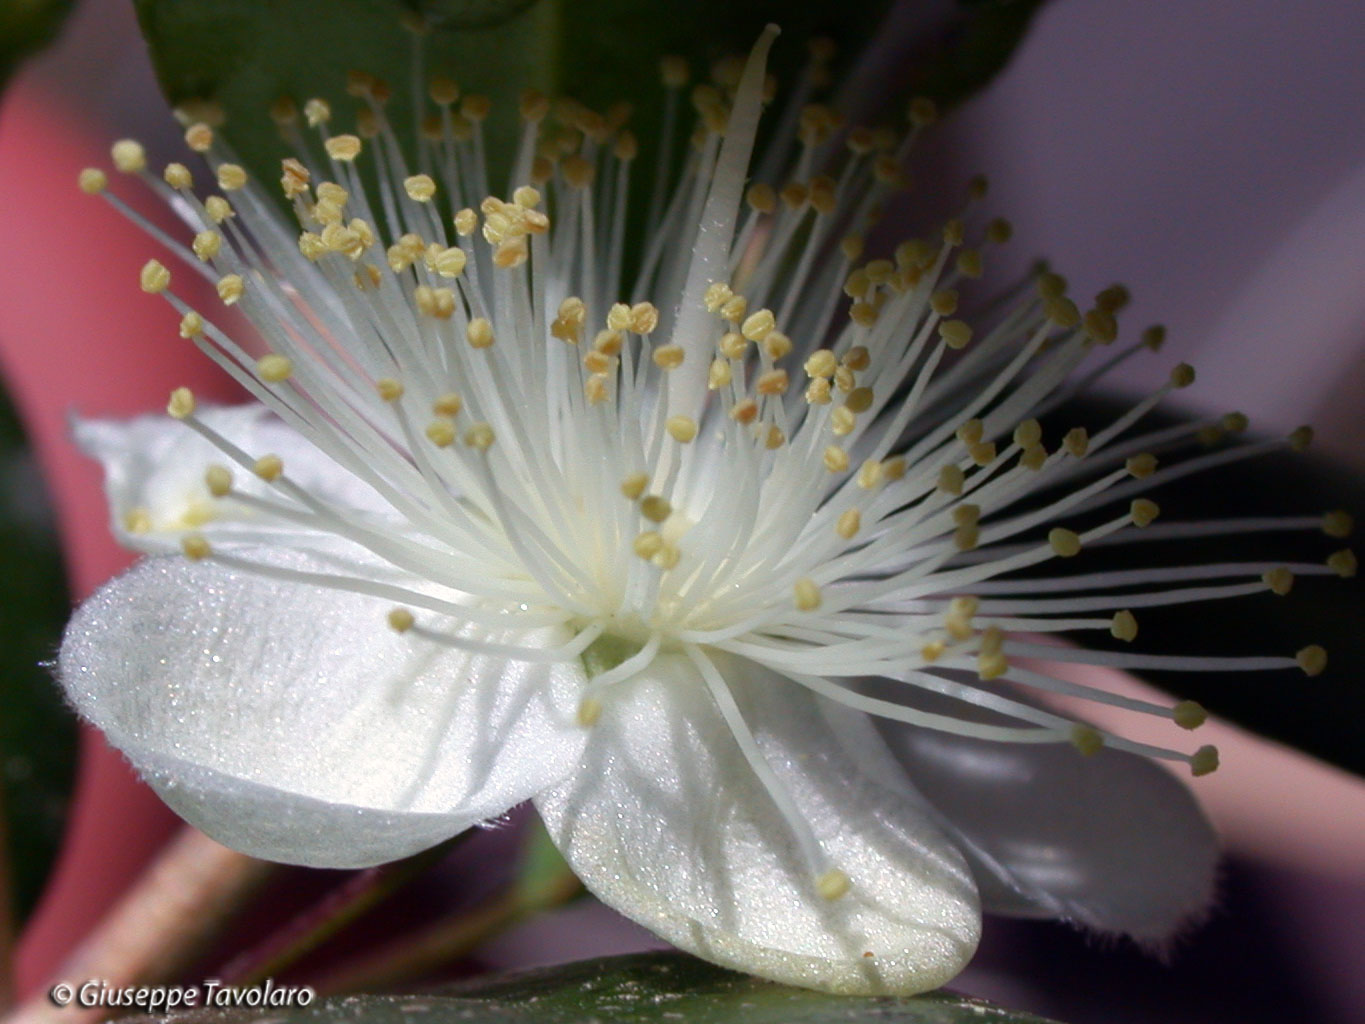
(1113, 842)
(665, 821)
(154, 469)
(290, 722)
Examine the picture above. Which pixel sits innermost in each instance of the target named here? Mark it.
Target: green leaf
(639, 989)
(37, 733)
(245, 54)
(25, 27)
(1322, 715)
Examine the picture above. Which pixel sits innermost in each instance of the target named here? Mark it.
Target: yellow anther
(922, 112)
(1034, 457)
(479, 437)
(577, 171)
(343, 148)
(316, 112)
(420, 188)
(734, 308)
(1124, 626)
(400, 620)
(954, 231)
(732, 345)
(1065, 543)
(155, 278)
(969, 263)
(1182, 375)
(951, 479)
(851, 247)
(1141, 466)
(943, 302)
(717, 295)
(761, 198)
(177, 176)
(1301, 438)
(757, 325)
(859, 400)
(655, 508)
(441, 433)
(634, 485)
(1189, 715)
(1312, 659)
(932, 651)
(991, 666)
(314, 248)
(644, 318)
(195, 546)
(207, 244)
(1280, 581)
(955, 333)
(718, 375)
(390, 390)
(999, 231)
(821, 364)
(648, 544)
(596, 389)
(857, 359)
(475, 107)
(93, 181)
(128, 156)
(199, 137)
(1338, 523)
(971, 431)
(443, 91)
(864, 314)
(138, 520)
(745, 411)
(1343, 563)
(218, 479)
(870, 475)
(774, 438)
(1087, 739)
(597, 362)
(274, 368)
(667, 557)
(465, 222)
(1028, 433)
(191, 325)
(807, 594)
(682, 428)
(774, 382)
(670, 357)
(479, 333)
(231, 177)
(835, 459)
(1076, 441)
(1204, 761)
(1144, 511)
(1113, 298)
(1234, 422)
(230, 288)
(618, 317)
(982, 453)
(589, 711)
(1100, 326)
(966, 537)
(833, 884)
(849, 523)
(818, 392)
(268, 467)
(181, 404)
(777, 345)
(966, 514)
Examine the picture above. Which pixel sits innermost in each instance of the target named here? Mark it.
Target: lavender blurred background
(1210, 155)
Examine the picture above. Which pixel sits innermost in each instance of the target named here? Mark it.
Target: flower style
(732, 583)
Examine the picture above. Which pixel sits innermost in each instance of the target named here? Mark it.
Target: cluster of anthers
(765, 444)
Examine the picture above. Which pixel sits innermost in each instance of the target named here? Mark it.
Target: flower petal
(154, 476)
(288, 721)
(1113, 842)
(665, 821)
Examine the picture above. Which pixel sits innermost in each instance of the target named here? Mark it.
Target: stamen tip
(833, 884)
(400, 620)
(1204, 761)
(1312, 659)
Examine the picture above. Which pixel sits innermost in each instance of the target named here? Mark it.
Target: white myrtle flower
(727, 567)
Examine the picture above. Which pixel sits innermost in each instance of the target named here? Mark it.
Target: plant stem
(178, 905)
(344, 905)
(446, 941)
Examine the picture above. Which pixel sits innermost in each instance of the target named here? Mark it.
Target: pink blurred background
(1209, 155)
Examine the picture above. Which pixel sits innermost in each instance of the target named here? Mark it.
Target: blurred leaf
(1322, 716)
(543, 876)
(638, 989)
(37, 733)
(245, 54)
(27, 26)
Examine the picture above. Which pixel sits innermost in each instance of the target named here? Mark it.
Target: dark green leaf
(37, 733)
(245, 54)
(639, 989)
(25, 27)
(1322, 715)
